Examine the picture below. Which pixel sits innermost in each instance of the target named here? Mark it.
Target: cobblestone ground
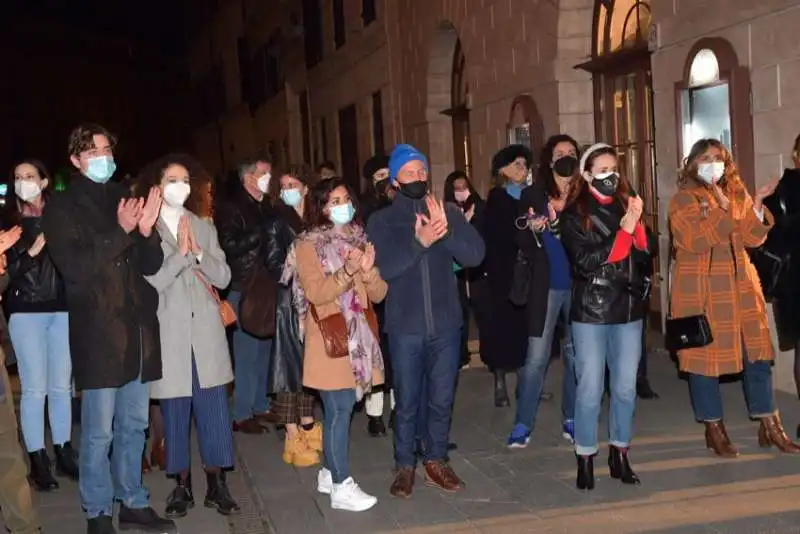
(685, 489)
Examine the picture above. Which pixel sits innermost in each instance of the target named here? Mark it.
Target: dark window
(312, 32)
(348, 140)
(377, 122)
(323, 138)
(305, 126)
(339, 26)
(243, 53)
(267, 77)
(368, 12)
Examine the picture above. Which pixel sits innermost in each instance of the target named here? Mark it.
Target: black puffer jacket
(240, 224)
(602, 293)
(35, 285)
(286, 373)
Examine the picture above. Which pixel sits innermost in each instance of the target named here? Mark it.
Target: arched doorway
(525, 126)
(623, 95)
(713, 100)
(448, 106)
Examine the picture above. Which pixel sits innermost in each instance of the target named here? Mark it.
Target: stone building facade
(462, 78)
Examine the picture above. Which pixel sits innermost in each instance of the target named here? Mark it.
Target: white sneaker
(324, 481)
(348, 496)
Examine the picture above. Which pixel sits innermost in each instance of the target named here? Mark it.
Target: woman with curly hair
(194, 349)
(713, 220)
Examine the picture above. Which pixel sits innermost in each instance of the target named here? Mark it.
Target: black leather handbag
(691, 332)
(687, 333)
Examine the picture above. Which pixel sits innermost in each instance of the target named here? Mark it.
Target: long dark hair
(544, 173)
(579, 193)
(318, 197)
(12, 213)
(151, 175)
(450, 189)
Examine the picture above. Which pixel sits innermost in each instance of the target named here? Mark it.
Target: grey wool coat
(189, 316)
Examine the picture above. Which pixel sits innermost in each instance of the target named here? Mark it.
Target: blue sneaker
(520, 437)
(568, 431)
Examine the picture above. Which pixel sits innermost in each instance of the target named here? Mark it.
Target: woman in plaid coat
(713, 220)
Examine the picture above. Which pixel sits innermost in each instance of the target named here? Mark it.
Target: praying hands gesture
(150, 211)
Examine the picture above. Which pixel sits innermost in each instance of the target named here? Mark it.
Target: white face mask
(263, 183)
(710, 173)
(27, 190)
(176, 193)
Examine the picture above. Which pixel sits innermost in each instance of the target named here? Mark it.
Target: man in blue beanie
(417, 239)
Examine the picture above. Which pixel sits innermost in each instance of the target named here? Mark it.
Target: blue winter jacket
(423, 294)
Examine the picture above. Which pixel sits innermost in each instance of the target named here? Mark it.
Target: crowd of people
(149, 299)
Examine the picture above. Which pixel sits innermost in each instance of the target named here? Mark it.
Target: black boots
(181, 500)
(619, 466)
(500, 391)
(66, 461)
(41, 475)
(585, 479)
(144, 520)
(218, 495)
(375, 426)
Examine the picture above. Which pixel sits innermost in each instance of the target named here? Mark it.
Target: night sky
(155, 21)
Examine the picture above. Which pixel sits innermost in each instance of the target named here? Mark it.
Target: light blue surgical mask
(342, 214)
(100, 169)
(291, 197)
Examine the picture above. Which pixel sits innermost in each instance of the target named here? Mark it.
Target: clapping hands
(432, 227)
(9, 238)
(360, 260)
(136, 212)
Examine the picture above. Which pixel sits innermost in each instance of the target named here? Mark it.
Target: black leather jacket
(286, 370)
(240, 225)
(35, 285)
(603, 293)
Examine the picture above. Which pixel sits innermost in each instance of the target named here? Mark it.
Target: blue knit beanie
(401, 155)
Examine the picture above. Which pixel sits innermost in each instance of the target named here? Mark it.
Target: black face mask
(565, 166)
(415, 190)
(606, 184)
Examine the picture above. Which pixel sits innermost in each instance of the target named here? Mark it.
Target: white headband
(595, 147)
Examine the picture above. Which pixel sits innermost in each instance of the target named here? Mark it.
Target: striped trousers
(212, 419)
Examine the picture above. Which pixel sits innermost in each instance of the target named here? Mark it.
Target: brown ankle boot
(771, 432)
(717, 440)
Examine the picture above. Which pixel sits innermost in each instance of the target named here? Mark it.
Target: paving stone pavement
(685, 489)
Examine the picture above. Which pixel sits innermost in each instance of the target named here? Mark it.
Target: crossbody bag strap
(211, 291)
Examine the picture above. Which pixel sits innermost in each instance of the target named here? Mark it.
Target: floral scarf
(331, 247)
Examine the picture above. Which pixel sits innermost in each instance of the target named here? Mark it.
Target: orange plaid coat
(712, 274)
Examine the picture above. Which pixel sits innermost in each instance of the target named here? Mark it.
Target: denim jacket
(423, 294)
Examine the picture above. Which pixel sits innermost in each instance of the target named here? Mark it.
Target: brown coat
(319, 371)
(712, 274)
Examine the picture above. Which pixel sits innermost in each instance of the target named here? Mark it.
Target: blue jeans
(530, 378)
(338, 407)
(251, 370)
(423, 361)
(41, 341)
(118, 416)
(619, 347)
(757, 383)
